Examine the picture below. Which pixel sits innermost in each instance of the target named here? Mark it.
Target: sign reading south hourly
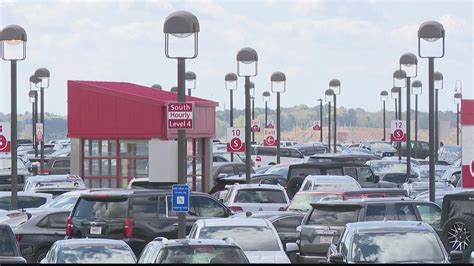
(180, 115)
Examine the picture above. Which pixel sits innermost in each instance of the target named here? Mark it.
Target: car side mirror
(376, 178)
(222, 175)
(291, 247)
(455, 256)
(336, 258)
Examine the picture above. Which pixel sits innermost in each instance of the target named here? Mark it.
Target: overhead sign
(180, 115)
(398, 131)
(39, 132)
(270, 124)
(255, 125)
(5, 137)
(317, 125)
(235, 139)
(180, 196)
(269, 138)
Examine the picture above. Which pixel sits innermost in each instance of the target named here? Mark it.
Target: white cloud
(452, 23)
(306, 6)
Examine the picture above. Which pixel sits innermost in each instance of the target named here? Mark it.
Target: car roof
(388, 226)
(340, 155)
(90, 241)
(233, 222)
(325, 164)
(259, 186)
(191, 242)
(330, 178)
(53, 178)
(270, 215)
(352, 191)
(133, 191)
(386, 200)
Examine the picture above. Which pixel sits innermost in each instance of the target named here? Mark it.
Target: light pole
(231, 86)
(329, 96)
(394, 95)
(428, 35)
(399, 81)
(13, 49)
(190, 78)
(266, 99)
(43, 74)
(320, 120)
(278, 80)
(384, 98)
(416, 90)
(457, 101)
(252, 94)
(247, 65)
(157, 86)
(179, 26)
(438, 85)
(335, 85)
(34, 80)
(409, 64)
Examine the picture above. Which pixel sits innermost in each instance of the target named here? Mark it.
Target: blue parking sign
(180, 195)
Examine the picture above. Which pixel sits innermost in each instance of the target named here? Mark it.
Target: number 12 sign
(398, 131)
(235, 139)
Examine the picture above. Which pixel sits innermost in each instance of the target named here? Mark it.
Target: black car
(136, 216)
(457, 223)
(39, 230)
(224, 169)
(343, 157)
(254, 179)
(385, 242)
(9, 248)
(422, 152)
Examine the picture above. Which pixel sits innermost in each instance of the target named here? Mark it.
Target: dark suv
(136, 216)
(324, 224)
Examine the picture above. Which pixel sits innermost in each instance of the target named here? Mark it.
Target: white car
(24, 200)
(256, 197)
(51, 182)
(258, 238)
(329, 183)
(265, 155)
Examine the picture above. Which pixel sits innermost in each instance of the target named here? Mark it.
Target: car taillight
(258, 159)
(128, 228)
(44, 172)
(69, 226)
(235, 209)
(19, 237)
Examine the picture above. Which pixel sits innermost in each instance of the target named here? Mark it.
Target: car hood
(267, 257)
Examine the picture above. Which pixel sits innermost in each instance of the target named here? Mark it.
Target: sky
(358, 42)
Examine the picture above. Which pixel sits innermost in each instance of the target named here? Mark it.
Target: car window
(285, 153)
(101, 208)
(89, 254)
(303, 172)
(334, 171)
(351, 171)
(58, 220)
(240, 169)
(339, 216)
(345, 241)
(295, 154)
(266, 151)
(288, 224)
(260, 196)
(429, 213)
(219, 159)
(144, 207)
(228, 169)
(202, 254)
(209, 207)
(375, 212)
(365, 174)
(30, 202)
(5, 203)
(6, 243)
(405, 212)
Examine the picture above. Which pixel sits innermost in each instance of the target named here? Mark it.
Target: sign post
(269, 138)
(180, 196)
(255, 125)
(317, 125)
(180, 115)
(235, 139)
(5, 137)
(398, 131)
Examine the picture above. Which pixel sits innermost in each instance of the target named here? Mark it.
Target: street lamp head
(32, 96)
(399, 79)
(266, 96)
(252, 89)
(247, 61)
(438, 80)
(394, 92)
(34, 80)
(10, 38)
(157, 86)
(231, 81)
(43, 74)
(457, 97)
(329, 94)
(174, 89)
(416, 87)
(428, 35)
(278, 82)
(335, 85)
(190, 78)
(383, 96)
(409, 63)
(178, 27)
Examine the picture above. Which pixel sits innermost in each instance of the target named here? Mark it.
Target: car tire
(457, 234)
(294, 185)
(40, 255)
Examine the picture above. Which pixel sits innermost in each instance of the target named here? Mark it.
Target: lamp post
(231, 86)
(409, 65)
(252, 94)
(416, 90)
(320, 120)
(399, 81)
(329, 96)
(438, 85)
(178, 27)
(157, 86)
(394, 95)
(429, 35)
(278, 80)
(247, 65)
(457, 101)
(43, 74)
(190, 78)
(13, 48)
(266, 99)
(384, 98)
(33, 81)
(335, 85)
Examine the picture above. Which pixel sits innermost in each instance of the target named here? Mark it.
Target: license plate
(96, 230)
(325, 239)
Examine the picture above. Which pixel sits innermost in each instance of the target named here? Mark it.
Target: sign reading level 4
(180, 115)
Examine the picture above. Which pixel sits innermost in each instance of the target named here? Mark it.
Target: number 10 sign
(398, 131)
(235, 139)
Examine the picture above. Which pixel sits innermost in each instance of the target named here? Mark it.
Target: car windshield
(6, 163)
(260, 196)
(337, 216)
(282, 170)
(380, 146)
(207, 254)
(303, 172)
(302, 202)
(6, 244)
(95, 254)
(101, 208)
(62, 202)
(396, 247)
(390, 167)
(249, 238)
